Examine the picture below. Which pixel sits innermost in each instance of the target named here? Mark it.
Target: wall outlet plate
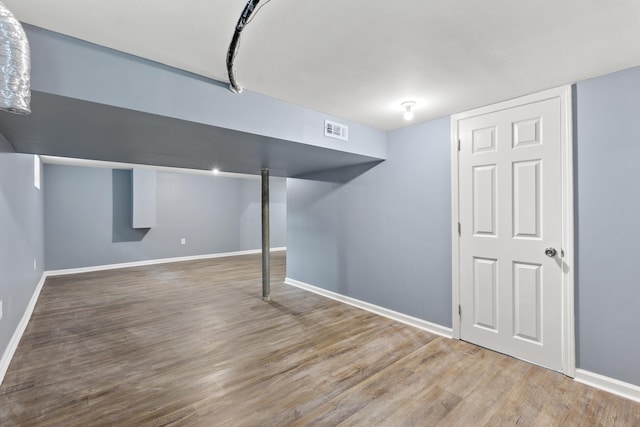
(183, 241)
(0, 309)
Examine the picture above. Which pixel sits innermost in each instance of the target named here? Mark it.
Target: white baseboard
(626, 390)
(22, 326)
(385, 312)
(91, 269)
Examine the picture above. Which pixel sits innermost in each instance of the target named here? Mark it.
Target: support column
(266, 265)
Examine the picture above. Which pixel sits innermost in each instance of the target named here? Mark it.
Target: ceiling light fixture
(408, 110)
(15, 63)
(216, 171)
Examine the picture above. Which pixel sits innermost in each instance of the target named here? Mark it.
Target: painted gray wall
(70, 67)
(608, 208)
(144, 198)
(88, 216)
(21, 238)
(381, 235)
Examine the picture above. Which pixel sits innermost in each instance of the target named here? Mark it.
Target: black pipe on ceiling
(235, 43)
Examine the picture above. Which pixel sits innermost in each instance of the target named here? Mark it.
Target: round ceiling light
(408, 109)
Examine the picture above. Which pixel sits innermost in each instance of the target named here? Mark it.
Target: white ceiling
(359, 59)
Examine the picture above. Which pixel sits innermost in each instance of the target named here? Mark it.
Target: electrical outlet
(35, 264)
(0, 309)
(183, 241)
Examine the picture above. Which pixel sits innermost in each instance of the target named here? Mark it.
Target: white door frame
(568, 330)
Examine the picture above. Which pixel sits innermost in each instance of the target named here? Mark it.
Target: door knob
(550, 252)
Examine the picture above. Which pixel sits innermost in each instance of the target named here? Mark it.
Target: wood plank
(192, 343)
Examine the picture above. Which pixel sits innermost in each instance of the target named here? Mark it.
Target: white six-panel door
(510, 213)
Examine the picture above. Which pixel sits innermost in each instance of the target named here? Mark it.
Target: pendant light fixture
(15, 65)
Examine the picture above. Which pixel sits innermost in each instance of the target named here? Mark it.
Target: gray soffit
(68, 127)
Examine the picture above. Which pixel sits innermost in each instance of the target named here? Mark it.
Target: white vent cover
(336, 130)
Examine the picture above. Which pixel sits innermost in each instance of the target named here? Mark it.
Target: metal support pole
(266, 266)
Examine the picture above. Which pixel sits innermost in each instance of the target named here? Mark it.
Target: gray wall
(381, 235)
(21, 237)
(608, 208)
(88, 216)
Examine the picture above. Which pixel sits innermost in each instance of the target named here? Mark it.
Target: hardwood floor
(192, 343)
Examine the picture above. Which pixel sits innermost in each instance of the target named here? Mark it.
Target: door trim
(566, 125)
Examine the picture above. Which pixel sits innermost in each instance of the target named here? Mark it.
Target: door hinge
(459, 229)
(458, 145)
(460, 310)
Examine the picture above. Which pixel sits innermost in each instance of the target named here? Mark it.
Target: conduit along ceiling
(359, 60)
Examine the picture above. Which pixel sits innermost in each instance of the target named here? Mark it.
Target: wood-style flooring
(192, 343)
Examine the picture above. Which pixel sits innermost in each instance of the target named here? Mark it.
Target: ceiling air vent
(336, 130)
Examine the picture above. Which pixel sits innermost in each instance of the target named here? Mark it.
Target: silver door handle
(550, 252)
